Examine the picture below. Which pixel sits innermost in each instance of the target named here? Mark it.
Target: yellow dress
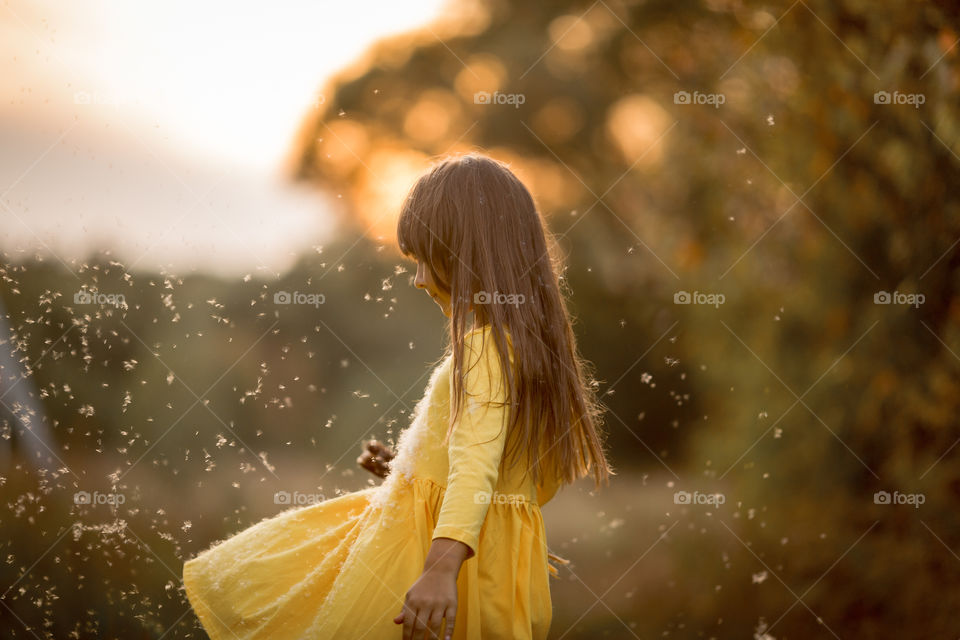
(341, 568)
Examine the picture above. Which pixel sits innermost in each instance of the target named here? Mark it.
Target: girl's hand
(376, 458)
(433, 596)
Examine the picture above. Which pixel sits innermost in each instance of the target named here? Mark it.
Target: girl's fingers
(424, 624)
(451, 616)
(433, 625)
(409, 624)
(381, 450)
(404, 619)
(373, 465)
(423, 630)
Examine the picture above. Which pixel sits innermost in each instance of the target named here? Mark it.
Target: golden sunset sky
(158, 130)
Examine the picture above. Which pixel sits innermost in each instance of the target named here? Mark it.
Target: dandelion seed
(263, 458)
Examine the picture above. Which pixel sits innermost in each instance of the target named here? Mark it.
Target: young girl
(452, 544)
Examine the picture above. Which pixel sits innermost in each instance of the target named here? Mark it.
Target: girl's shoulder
(479, 343)
(486, 328)
(484, 332)
(481, 330)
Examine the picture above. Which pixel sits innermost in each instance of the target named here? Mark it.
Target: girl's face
(424, 280)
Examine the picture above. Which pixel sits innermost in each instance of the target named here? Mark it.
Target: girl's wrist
(446, 555)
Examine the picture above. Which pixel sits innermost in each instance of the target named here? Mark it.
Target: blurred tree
(798, 158)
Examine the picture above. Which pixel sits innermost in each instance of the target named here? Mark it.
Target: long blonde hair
(476, 227)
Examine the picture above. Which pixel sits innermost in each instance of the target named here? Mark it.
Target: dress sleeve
(476, 444)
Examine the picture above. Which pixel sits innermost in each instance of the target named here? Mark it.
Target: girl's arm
(476, 445)
(474, 451)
